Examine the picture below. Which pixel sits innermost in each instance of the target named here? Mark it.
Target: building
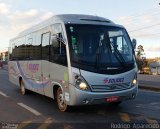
(155, 67)
(4, 55)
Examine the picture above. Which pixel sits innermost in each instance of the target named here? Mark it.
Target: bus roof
(69, 18)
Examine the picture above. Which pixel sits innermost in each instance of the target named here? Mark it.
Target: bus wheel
(61, 101)
(22, 88)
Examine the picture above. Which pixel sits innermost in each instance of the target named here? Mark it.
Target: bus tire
(61, 103)
(22, 88)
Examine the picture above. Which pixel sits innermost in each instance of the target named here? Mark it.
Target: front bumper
(79, 97)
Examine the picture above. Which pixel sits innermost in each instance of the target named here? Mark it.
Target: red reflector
(112, 99)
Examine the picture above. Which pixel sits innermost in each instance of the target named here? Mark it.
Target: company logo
(113, 80)
(33, 67)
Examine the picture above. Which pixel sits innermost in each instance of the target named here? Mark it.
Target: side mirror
(134, 43)
(54, 41)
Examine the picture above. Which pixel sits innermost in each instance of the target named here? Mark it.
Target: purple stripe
(29, 82)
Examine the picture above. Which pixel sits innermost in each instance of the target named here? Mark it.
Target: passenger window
(18, 49)
(58, 48)
(28, 53)
(45, 46)
(35, 48)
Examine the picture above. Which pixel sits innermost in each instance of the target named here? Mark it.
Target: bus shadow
(43, 102)
(105, 108)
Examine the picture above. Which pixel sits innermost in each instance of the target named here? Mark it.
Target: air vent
(96, 20)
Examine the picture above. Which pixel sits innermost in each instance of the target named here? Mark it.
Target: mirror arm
(61, 39)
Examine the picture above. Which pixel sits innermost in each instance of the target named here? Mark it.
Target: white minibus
(76, 60)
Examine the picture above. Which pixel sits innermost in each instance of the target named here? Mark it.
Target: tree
(140, 52)
(140, 58)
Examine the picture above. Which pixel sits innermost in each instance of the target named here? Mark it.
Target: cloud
(153, 48)
(23, 15)
(138, 25)
(32, 12)
(4, 8)
(20, 20)
(152, 54)
(13, 22)
(147, 19)
(149, 37)
(47, 15)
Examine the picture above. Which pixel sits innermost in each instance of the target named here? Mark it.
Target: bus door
(58, 60)
(45, 62)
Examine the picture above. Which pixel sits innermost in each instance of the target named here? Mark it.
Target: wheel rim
(61, 101)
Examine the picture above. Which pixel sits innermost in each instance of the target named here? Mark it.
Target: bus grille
(112, 87)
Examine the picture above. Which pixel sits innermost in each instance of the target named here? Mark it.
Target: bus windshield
(101, 47)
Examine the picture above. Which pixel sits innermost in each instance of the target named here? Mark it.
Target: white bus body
(75, 59)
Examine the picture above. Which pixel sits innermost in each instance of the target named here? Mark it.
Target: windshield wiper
(119, 56)
(116, 53)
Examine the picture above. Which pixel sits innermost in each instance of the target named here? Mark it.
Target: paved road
(36, 111)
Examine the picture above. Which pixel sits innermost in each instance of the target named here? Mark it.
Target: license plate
(112, 99)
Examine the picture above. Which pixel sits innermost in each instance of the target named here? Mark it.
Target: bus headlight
(81, 83)
(134, 81)
(83, 86)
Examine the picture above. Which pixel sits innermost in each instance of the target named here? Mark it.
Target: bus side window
(58, 48)
(58, 52)
(45, 46)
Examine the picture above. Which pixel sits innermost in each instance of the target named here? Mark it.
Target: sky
(140, 17)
